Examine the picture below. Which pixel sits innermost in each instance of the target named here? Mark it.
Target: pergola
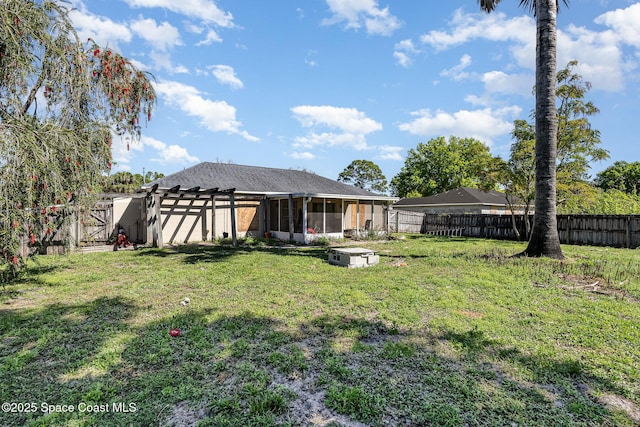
(153, 203)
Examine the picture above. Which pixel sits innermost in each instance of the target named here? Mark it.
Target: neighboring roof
(457, 196)
(260, 180)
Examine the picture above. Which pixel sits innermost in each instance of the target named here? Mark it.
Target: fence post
(629, 231)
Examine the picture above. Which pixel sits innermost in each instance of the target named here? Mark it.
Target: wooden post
(304, 220)
(264, 205)
(291, 213)
(373, 214)
(74, 241)
(342, 214)
(154, 225)
(234, 235)
(213, 217)
(203, 215)
(158, 242)
(150, 218)
(628, 231)
(324, 215)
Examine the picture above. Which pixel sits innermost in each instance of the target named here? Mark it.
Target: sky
(316, 84)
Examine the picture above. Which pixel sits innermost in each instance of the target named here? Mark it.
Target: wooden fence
(596, 230)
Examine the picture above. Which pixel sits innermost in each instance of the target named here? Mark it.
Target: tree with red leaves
(62, 100)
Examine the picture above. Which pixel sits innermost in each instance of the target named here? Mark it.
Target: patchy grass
(443, 332)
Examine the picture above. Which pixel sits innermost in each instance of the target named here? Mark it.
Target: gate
(96, 225)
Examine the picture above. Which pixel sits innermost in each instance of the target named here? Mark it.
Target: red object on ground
(174, 332)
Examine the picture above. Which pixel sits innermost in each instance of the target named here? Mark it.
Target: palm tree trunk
(544, 239)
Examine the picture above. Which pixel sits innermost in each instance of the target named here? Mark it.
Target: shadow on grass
(30, 275)
(57, 355)
(220, 253)
(247, 370)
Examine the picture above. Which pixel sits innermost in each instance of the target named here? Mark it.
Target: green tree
(60, 102)
(578, 142)
(621, 176)
(519, 173)
(585, 199)
(440, 165)
(126, 182)
(364, 174)
(150, 176)
(544, 240)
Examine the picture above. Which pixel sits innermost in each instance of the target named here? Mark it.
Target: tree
(519, 173)
(621, 176)
(585, 199)
(151, 176)
(578, 142)
(61, 100)
(364, 174)
(126, 182)
(544, 240)
(440, 165)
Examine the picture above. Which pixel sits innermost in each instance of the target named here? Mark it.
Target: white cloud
(217, 116)
(305, 155)
(122, 155)
(359, 13)
(348, 120)
(457, 72)
(484, 124)
(205, 10)
(226, 75)
(403, 51)
(388, 152)
(600, 54)
(102, 30)
(334, 126)
(493, 26)
(173, 154)
(501, 82)
(162, 61)
(161, 37)
(624, 24)
(212, 37)
(331, 139)
(163, 153)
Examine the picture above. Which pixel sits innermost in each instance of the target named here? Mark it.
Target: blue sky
(316, 84)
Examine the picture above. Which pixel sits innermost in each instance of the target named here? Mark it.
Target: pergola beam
(154, 200)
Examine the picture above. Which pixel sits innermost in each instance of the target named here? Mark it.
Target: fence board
(596, 230)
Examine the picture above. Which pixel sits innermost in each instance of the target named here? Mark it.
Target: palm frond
(488, 5)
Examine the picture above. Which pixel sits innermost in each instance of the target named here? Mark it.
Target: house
(213, 200)
(463, 200)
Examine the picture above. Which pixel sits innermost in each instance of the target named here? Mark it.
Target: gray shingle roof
(462, 195)
(257, 180)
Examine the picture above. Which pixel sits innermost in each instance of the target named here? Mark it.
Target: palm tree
(544, 240)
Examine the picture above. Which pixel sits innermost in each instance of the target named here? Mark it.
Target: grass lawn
(443, 332)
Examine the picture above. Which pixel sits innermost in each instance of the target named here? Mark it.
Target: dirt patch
(472, 314)
(596, 285)
(181, 415)
(309, 407)
(614, 402)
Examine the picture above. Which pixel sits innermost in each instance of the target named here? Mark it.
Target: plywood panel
(248, 219)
